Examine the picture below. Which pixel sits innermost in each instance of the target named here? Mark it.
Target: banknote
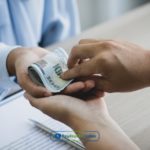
(46, 72)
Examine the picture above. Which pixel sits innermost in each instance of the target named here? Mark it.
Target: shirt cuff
(4, 51)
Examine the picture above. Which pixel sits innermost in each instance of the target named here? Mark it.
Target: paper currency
(46, 72)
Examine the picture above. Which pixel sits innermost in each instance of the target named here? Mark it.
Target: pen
(52, 132)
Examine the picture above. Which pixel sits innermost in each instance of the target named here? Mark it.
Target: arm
(89, 115)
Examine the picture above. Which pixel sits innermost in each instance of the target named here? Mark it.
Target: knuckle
(107, 58)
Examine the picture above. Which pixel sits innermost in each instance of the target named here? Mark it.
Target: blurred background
(93, 12)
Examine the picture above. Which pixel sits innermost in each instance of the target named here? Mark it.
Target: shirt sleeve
(60, 21)
(4, 51)
(7, 83)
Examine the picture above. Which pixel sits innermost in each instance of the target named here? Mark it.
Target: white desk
(130, 110)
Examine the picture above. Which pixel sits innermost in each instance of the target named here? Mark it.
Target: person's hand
(115, 66)
(64, 108)
(19, 60)
(89, 114)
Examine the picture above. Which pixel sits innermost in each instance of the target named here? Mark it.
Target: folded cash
(46, 72)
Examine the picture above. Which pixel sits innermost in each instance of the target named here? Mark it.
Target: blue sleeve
(4, 51)
(60, 21)
(7, 84)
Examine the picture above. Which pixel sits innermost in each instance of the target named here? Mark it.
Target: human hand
(114, 66)
(18, 62)
(21, 58)
(89, 114)
(62, 107)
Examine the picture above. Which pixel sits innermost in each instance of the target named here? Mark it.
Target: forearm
(111, 135)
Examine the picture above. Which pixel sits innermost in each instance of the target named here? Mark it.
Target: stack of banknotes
(46, 72)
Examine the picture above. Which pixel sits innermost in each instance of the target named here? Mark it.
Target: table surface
(130, 110)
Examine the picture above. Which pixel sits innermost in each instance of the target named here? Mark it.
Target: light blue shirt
(34, 23)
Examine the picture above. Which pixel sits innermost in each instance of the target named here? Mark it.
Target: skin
(115, 66)
(88, 114)
(21, 58)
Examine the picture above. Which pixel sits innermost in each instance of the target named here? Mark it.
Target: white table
(130, 110)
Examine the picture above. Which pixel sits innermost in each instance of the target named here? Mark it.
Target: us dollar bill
(46, 72)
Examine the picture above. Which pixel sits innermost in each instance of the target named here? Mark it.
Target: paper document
(37, 140)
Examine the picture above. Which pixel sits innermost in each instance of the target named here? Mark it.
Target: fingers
(74, 87)
(89, 84)
(32, 88)
(82, 86)
(98, 84)
(85, 69)
(87, 49)
(82, 51)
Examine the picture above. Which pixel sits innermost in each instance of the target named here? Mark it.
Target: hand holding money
(46, 72)
(21, 58)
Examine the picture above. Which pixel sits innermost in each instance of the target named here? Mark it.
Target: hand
(114, 66)
(62, 107)
(81, 115)
(18, 62)
(21, 58)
